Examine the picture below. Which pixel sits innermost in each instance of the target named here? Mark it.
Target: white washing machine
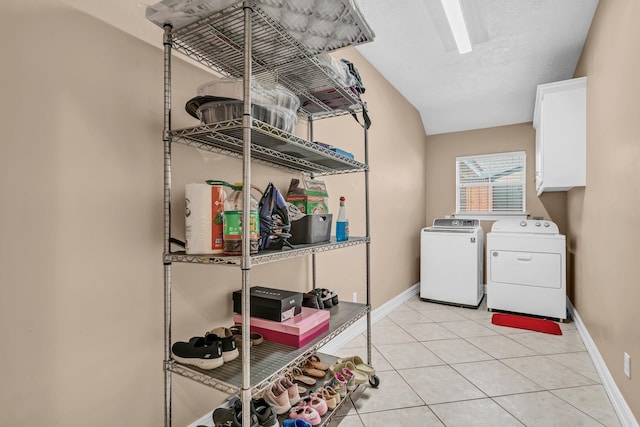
(526, 268)
(451, 262)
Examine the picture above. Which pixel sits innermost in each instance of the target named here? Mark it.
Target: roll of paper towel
(203, 225)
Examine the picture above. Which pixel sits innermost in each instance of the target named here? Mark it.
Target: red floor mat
(529, 323)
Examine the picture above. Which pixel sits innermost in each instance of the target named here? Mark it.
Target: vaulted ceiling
(517, 44)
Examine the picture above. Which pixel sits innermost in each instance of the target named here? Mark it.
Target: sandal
(310, 370)
(315, 362)
(359, 365)
(254, 337)
(298, 375)
(340, 366)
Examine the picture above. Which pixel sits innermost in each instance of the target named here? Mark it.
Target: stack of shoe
(209, 352)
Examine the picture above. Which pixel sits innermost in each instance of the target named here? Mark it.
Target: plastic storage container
(311, 229)
(271, 103)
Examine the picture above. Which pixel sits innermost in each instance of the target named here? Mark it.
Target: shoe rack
(224, 42)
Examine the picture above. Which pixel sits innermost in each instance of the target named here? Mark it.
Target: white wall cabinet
(560, 122)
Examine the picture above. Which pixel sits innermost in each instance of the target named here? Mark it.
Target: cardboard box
(269, 303)
(295, 332)
(309, 196)
(311, 229)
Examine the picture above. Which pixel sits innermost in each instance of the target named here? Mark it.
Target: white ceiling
(517, 44)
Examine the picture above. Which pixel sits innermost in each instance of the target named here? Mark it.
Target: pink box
(295, 332)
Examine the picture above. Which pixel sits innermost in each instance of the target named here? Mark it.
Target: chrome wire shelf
(268, 145)
(271, 360)
(265, 256)
(217, 42)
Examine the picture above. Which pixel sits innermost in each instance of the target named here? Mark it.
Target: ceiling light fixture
(453, 10)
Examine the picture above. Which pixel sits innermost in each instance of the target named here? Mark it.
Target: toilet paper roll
(203, 227)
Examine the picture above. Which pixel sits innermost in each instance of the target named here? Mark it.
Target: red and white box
(295, 332)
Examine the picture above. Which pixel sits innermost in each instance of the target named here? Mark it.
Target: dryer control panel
(530, 226)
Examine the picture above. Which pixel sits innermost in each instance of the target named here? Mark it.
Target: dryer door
(526, 268)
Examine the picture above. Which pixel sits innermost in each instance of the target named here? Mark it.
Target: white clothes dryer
(451, 262)
(526, 268)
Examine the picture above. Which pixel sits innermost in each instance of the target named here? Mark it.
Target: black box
(313, 228)
(269, 303)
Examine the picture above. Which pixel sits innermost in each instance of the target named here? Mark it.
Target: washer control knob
(537, 224)
(546, 224)
(523, 223)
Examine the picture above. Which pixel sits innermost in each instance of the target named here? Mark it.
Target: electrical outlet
(354, 297)
(627, 365)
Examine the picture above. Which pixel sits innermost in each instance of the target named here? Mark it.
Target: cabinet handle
(524, 258)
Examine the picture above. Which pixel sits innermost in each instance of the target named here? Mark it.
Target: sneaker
(232, 416)
(196, 352)
(306, 413)
(229, 349)
(312, 300)
(276, 396)
(293, 391)
(265, 413)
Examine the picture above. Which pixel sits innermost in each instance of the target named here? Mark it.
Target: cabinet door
(561, 136)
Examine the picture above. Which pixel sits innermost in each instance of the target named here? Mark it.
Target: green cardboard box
(309, 196)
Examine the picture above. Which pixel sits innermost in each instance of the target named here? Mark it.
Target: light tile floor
(449, 366)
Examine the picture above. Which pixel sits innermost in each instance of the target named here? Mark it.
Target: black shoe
(265, 413)
(326, 297)
(196, 352)
(224, 335)
(312, 300)
(232, 416)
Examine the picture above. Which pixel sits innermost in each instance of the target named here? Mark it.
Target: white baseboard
(361, 325)
(617, 400)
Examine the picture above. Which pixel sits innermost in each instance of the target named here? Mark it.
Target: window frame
(492, 215)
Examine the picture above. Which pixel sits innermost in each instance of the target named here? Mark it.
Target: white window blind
(491, 183)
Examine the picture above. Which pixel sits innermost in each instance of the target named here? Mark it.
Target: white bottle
(342, 224)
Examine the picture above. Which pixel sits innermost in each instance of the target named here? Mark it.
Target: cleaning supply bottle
(232, 222)
(342, 224)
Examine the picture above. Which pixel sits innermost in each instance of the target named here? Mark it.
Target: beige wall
(441, 154)
(81, 220)
(604, 215)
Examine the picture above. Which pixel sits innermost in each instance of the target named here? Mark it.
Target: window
(491, 184)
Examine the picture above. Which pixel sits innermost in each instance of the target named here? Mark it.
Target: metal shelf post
(166, 138)
(246, 217)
